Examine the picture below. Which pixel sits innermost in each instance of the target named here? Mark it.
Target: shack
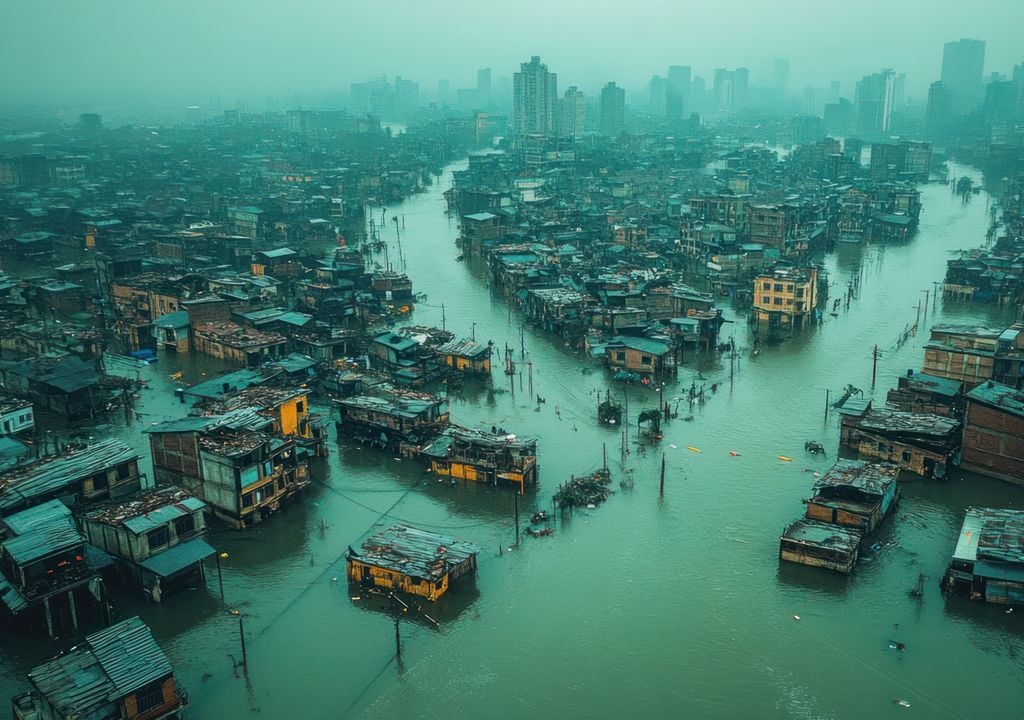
(156, 538)
(466, 356)
(479, 456)
(922, 443)
(854, 493)
(920, 393)
(413, 561)
(820, 544)
(43, 567)
(106, 470)
(392, 417)
(119, 672)
(988, 562)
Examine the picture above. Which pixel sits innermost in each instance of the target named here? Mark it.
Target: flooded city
(484, 405)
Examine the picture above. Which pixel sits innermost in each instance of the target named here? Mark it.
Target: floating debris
(585, 491)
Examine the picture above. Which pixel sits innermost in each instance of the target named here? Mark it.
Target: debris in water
(796, 617)
(783, 458)
(901, 703)
(586, 490)
(733, 453)
(693, 449)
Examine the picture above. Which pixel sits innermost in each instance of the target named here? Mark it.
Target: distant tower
(613, 110)
(534, 91)
(483, 87)
(875, 98)
(679, 78)
(963, 63)
(572, 113)
(782, 77)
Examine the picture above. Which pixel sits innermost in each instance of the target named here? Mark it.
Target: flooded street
(642, 607)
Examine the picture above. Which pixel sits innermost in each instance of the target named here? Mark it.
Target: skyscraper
(963, 63)
(534, 92)
(572, 113)
(678, 90)
(613, 109)
(874, 100)
(657, 96)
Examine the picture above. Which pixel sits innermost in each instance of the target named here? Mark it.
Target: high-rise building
(698, 95)
(875, 98)
(963, 63)
(678, 91)
(657, 96)
(534, 92)
(724, 88)
(781, 83)
(444, 92)
(572, 113)
(613, 110)
(939, 115)
(483, 87)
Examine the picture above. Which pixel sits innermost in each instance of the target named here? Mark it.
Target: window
(620, 356)
(778, 301)
(185, 525)
(123, 471)
(645, 359)
(881, 447)
(778, 287)
(299, 406)
(799, 292)
(789, 288)
(789, 301)
(158, 538)
(767, 286)
(247, 500)
(766, 300)
(150, 696)
(906, 456)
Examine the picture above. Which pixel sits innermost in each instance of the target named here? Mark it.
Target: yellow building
(466, 356)
(478, 456)
(786, 296)
(289, 408)
(418, 562)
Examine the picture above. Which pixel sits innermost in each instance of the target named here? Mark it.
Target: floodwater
(642, 607)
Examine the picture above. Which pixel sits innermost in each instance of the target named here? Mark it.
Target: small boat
(541, 532)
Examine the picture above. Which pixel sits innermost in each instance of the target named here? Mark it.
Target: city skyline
(317, 48)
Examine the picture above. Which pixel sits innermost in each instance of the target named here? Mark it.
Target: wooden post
(74, 610)
(826, 403)
(49, 617)
(517, 516)
(220, 576)
(604, 455)
(662, 486)
(241, 637)
(398, 640)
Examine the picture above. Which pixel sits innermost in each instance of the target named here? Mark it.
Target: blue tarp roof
(178, 557)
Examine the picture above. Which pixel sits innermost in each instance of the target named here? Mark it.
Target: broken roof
(147, 511)
(413, 552)
(869, 477)
(995, 534)
(823, 535)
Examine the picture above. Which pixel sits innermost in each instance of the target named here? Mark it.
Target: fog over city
(198, 51)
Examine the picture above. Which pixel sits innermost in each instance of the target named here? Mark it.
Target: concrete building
(786, 296)
(534, 91)
(963, 63)
(875, 98)
(613, 110)
(572, 113)
(994, 432)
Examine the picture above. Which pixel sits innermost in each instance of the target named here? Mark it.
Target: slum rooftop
(21, 484)
(40, 531)
(909, 423)
(9, 403)
(254, 397)
(993, 534)
(1001, 397)
(147, 511)
(869, 477)
(820, 534)
(464, 348)
(416, 553)
(107, 666)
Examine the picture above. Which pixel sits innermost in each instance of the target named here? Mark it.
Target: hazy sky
(193, 50)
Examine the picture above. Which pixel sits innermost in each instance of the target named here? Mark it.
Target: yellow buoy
(783, 458)
(693, 449)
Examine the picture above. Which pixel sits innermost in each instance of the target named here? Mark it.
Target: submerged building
(988, 562)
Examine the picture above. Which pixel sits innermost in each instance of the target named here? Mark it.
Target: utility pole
(398, 640)
(662, 486)
(874, 365)
(529, 373)
(241, 637)
(443, 327)
(826, 404)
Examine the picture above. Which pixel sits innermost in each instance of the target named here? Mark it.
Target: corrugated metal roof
(1001, 397)
(11, 597)
(109, 665)
(416, 553)
(464, 348)
(869, 477)
(827, 535)
(21, 485)
(178, 557)
(46, 530)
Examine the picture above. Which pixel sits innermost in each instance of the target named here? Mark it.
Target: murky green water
(639, 608)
